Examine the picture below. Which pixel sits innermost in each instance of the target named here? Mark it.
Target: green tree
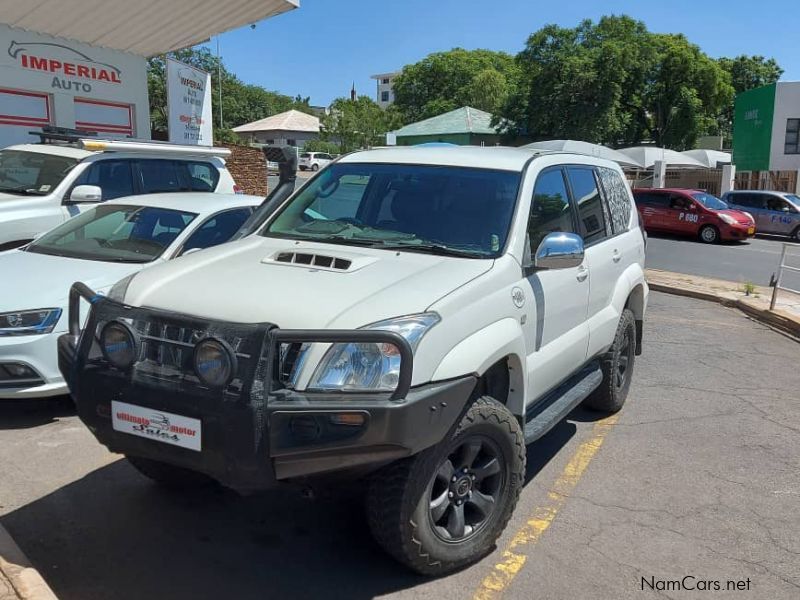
(321, 146)
(354, 124)
(688, 92)
(241, 102)
(444, 81)
(584, 83)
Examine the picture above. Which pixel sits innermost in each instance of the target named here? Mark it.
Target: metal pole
(219, 83)
(778, 281)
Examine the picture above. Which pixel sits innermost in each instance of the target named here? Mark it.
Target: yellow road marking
(493, 586)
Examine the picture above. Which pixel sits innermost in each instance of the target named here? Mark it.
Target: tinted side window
(654, 199)
(747, 200)
(550, 209)
(591, 220)
(160, 176)
(679, 202)
(114, 177)
(203, 177)
(617, 197)
(779, 204)
(217, 229)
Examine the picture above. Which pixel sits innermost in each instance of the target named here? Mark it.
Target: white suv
(314, 161)
(42, 185)
(412, 316)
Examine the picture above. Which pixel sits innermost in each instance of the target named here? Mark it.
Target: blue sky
(320, 49)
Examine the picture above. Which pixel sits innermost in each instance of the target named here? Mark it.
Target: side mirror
(559, 251)
(85, 193)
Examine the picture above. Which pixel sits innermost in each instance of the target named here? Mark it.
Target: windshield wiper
(429, 248)
(21, 191)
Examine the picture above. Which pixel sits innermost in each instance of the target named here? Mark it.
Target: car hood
(243, 282)
(42, 281)
(738, 215)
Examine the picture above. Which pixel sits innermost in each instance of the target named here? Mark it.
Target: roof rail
(50, 134)
(149, 146)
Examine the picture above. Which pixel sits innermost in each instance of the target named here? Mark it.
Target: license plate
(751, 230)
(156, 425)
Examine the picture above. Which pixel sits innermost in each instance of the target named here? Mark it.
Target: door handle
(583, 273)
(616, 256)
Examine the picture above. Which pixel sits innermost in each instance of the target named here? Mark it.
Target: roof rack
(50, 134)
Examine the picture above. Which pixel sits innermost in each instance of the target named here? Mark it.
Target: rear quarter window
(617, 197)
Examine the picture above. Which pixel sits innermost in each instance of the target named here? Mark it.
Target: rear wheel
(617, 367)
(796, 234)
(315, 167)
(445, 507)
(709, 234)
(169, 476)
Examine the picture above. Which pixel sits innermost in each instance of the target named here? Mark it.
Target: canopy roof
(710, 158)
(585, 148)
(143, 27)
(648, 155)
(291, 120)
(461, 120)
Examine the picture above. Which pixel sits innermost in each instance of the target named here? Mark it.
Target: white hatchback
(314, 161)
(102, 245)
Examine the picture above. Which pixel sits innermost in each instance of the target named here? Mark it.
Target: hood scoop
(314, 260)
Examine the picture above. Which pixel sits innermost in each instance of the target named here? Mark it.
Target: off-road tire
(705, 234)
(169, 476)
(610, 396)
(398, 496)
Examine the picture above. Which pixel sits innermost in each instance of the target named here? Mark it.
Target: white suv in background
(314, 161)
(410, 316)
(42, 185)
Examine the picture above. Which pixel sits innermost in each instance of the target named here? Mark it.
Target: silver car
(774, 212)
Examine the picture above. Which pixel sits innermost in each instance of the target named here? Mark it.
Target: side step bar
(547, 413)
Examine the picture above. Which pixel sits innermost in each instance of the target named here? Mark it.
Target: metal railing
(783, 267)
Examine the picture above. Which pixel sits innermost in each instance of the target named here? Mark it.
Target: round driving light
(214, 362)
(118, 344)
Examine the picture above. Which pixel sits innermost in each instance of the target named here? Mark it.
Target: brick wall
(248, 169)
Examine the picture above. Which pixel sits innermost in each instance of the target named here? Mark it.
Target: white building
(82, 64)
(385, 88)
(290, 128)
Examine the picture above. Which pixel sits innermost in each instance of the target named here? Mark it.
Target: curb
(778, 319)
(16, 569)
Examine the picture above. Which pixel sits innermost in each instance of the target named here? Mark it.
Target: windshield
(794, 199)
(135, 234)
(439, 209)
(32, 173)
(709, 201)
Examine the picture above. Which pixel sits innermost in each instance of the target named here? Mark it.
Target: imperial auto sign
(189, 104)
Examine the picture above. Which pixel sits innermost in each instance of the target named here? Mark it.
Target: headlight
(364, 367)
(117, 291)
(727, 218)
(29, 322)
(214, 362)
(119, 344)
(749, 216)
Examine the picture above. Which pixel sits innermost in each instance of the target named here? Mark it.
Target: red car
(693, 213)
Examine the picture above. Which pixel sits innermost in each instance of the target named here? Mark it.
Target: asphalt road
(699, 476)
(754, 260)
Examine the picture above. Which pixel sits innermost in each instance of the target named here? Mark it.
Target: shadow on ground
(24, 414)
(113, 534)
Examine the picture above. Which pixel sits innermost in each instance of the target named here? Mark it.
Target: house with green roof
(463, 126)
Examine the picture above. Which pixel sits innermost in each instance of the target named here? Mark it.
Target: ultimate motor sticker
(156, 425)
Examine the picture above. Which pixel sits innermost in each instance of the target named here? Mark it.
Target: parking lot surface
(697, 479)
(754, 260)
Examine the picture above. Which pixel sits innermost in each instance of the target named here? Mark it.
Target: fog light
(16, 371)
(119, 344)
(214, 362)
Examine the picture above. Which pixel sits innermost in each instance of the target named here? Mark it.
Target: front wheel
(445, 507)
(709, 234)
(796, 235)
(315, 168)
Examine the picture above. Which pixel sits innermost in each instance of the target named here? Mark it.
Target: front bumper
(261, 433)
(737, 232)
(38, 352)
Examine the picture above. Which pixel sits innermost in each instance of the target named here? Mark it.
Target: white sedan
(99, 247)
